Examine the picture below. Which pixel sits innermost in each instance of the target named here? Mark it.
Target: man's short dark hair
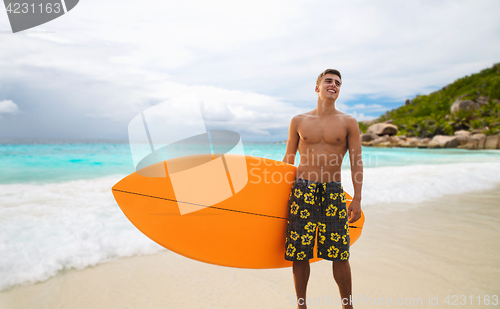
(328, 71)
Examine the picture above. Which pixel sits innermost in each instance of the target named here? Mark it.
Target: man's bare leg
(342, 275)
(301, 270)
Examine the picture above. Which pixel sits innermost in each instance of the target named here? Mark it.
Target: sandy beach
(419, 257)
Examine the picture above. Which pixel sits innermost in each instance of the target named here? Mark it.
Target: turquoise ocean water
(57, 211)
(58, 162)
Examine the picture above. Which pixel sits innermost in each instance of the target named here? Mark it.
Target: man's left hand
(354, 211)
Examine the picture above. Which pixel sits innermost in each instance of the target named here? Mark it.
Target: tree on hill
(429, 115)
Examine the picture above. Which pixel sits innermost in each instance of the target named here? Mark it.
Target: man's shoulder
(298, 118)
(347, 118)
(348, 122)
(304, 115)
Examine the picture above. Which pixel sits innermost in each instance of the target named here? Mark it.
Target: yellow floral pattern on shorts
(335, 237)
(310, 227)
(306, 239)
(290, 251)
(317, 219)
(331, 210)
(321, 227)
(344, 256)
(333, 252)
(301, 255)
(309, 198)
(304, 214)
(346, 227)
(342, 214)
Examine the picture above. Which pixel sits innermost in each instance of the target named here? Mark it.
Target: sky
(253, 64)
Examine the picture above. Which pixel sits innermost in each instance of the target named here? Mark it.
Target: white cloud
(105, 61)
(372, 107)
(8, 107)
(361, 116)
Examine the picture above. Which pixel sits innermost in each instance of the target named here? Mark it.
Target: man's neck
(325, 107)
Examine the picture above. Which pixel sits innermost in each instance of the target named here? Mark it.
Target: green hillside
(429, 115)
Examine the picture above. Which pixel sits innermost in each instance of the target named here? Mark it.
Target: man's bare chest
(330, 131)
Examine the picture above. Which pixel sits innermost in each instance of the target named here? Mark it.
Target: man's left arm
(354, 145)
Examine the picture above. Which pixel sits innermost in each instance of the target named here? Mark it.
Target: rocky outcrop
(388, 141)
(492, 142)
(443, 141)
(478, 131)
(424, 143)
(368, 137)
(468, 142)
(462, 133)
(463, 105)
(382, 129)
(481, 140)
(461, 140)
(482, 100)
(410, 142)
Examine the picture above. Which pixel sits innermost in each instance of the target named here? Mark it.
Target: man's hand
(354, 211)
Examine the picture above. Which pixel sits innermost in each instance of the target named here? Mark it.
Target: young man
(317, 205)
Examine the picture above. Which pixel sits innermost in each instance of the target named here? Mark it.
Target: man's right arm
(292, 143)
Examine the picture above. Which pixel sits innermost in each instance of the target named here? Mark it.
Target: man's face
(329, 87)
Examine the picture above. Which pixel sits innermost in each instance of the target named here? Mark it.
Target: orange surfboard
(241, 225)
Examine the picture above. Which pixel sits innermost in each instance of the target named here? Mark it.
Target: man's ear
(316, 88)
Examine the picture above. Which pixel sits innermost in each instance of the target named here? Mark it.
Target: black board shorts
(317, 212)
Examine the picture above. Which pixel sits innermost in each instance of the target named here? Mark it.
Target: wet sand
(446, 247)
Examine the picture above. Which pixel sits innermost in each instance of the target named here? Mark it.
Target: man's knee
(301, 264)
(341, 264)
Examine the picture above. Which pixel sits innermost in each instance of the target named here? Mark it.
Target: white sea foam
(419, 183)
(45, 228)
(50, 227)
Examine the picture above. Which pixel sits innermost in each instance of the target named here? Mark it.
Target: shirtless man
(317, 201)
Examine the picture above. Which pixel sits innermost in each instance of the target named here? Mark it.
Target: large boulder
(368, 137)
(463, 139)
(462, 133)
(443, 141)
(387, 141)
(380, 139)
(482, 100)
(492, 142)
(382, 129)
(463, 105)
(477, 131)
(424, 142)
(481, 140)
(468, 142)
(410, 142)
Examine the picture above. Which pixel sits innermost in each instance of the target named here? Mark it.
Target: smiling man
(317, 204)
